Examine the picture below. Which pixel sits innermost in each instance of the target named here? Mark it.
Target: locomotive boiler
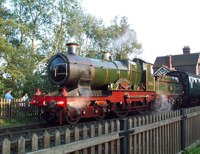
(94, 88)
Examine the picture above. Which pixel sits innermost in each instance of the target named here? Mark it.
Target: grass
(16, 122)
(195, 150)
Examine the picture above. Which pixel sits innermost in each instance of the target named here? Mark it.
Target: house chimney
(186, 50)
(168, 60)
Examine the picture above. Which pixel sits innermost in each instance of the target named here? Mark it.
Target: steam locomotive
(91, 88)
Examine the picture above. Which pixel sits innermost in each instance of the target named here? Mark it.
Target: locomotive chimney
(186, 50)
(72, 48)
(107, 56)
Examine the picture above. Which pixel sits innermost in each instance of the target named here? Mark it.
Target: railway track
(12, 132)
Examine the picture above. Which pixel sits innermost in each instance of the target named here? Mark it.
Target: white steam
(162, 103)
(77, 104)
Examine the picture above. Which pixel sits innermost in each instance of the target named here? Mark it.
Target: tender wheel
(99, 113)
(72, 117)
(121, 109)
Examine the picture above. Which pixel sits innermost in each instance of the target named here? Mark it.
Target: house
(187, 62)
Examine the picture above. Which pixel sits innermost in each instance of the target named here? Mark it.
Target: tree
(41, 30)
(118, 38)
(32, 31)
(124, 42)
(17, 48)
(68, 25)
(10, 55)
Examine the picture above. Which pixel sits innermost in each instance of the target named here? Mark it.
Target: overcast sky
(163, 27)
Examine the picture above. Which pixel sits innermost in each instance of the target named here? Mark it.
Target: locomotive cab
(148, 80)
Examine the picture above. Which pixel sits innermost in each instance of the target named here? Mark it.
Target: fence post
(112, 151)
(46, 139)
(67, 136)
(34, 142)
(99, 134)
(106, 132)
(118, 140)
(92, 134)
(57, 138)
(85, 136)
(183, 129)
(125, 145)
(6, 146)
(76, 137)
(21, 145)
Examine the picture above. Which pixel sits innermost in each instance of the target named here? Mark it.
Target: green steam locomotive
(92, 88)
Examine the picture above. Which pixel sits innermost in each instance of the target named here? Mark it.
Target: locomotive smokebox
(72, 48)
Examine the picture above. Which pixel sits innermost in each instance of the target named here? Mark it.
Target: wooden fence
(159, 133)
(16, 109)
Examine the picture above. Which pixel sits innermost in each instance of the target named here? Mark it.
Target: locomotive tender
(91, 88)
(191, 88)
